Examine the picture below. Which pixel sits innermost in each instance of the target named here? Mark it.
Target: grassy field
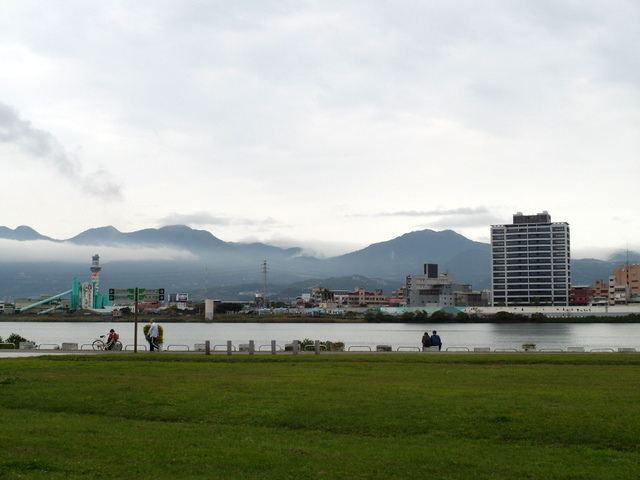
(362, 416)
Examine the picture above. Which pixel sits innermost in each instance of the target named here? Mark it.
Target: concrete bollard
(207, 347)
(252, 347)
(229, 347)
(316, 347)
(273, 347)
(296, 347)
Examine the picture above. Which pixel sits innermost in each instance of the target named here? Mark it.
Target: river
(356, 336)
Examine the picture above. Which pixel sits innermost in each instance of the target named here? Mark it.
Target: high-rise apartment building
(530, 261)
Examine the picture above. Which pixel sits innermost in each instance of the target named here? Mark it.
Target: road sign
(137, 295)
(130, 294)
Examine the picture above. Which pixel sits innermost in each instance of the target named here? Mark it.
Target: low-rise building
(624, 284)
(434, 290)
(7, 308)
(600, 293)
(473, 299)
(361, 298)
(581, 295)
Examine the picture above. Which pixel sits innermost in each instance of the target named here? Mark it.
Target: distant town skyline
(328, 125)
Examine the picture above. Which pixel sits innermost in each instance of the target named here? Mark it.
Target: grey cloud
(44, 251)
(44, 146)
(204, 218)
(433, 213)
(463, 217)
(465, 221)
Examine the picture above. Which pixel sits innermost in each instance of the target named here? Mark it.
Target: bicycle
(100, 344)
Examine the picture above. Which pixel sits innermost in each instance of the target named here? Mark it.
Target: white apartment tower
(530, 261)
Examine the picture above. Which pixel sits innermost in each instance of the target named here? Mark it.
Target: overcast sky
(323, 124)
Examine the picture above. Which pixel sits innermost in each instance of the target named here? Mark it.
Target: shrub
(378, 317)
(327, 345)
(15, 339)
(421, 316)
(538, 317)
(441, 316)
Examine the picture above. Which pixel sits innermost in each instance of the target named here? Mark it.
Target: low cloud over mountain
(180, 258)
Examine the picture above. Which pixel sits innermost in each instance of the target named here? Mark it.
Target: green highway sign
(130, 294)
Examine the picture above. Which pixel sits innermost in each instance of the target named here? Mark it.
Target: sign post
(135, 321)
(136, 294)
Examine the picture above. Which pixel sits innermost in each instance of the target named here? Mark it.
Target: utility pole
(135, 320)
(265, 303)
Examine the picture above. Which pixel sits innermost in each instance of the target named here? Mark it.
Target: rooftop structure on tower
(95, 267)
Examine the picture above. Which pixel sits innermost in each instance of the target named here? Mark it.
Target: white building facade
(530, 261)
(432, 289)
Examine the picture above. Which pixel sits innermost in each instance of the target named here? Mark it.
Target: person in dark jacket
(435, 340)
(426, 341)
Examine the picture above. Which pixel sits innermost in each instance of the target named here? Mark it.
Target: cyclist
(113, 338)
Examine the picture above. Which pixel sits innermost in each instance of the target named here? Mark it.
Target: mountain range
(208, 266)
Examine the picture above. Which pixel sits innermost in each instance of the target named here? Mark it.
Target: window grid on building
(536, 253)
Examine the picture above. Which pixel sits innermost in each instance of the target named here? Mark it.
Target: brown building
(581, 295)
(628, 275)
(601, 293)
(361, 298)
(623, 287)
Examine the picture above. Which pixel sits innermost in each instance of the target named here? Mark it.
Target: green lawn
(373, 416)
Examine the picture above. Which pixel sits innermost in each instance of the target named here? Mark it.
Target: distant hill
(177, 236)
(622, 257)
(21, 233)
(235, 270)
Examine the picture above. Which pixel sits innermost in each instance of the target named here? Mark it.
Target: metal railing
(319, 347)
(312, 347)
(368, 348)
(186, 347)
(133, 347)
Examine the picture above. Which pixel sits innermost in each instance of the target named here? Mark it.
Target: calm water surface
(403, 335)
